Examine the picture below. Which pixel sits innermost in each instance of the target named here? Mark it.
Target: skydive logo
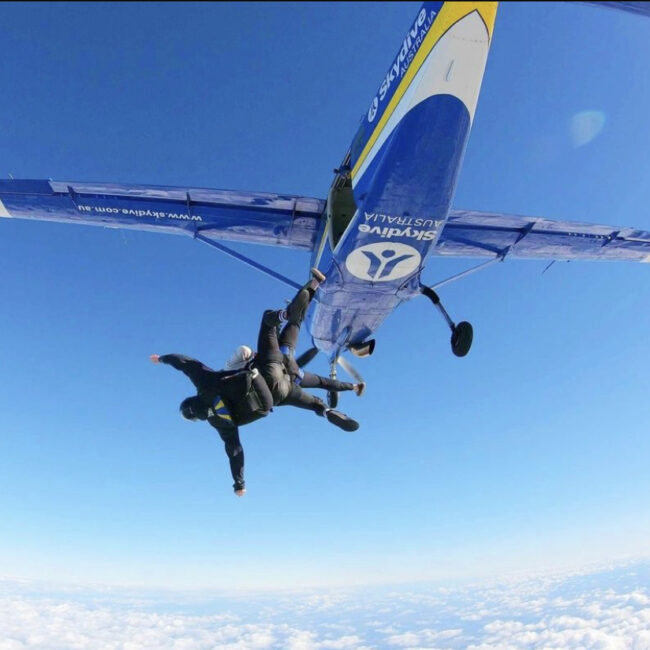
(389, 233)
(411, 43)
(403, 227)
(383, 262)
(372, 111)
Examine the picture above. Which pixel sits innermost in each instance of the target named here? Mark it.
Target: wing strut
(246, 260)
(499, 258)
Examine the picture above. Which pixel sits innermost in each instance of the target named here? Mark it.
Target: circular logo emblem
(372, 111)
(383, 262)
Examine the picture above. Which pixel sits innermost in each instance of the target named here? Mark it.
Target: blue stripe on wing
(253, 217)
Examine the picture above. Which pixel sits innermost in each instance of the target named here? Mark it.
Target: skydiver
(275, 360)
(227, 399)
(244, 356)
(231, 398)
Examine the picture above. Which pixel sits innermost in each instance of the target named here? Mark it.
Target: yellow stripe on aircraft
(449, 15)
(323, 240)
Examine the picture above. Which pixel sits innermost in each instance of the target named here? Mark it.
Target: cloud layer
(605, 609)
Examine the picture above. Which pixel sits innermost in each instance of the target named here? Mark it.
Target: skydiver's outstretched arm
(235, 453)
(193, 369)
(311, 380)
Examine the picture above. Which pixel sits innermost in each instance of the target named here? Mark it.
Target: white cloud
(426, 637)
(606, 610)
(47, 625)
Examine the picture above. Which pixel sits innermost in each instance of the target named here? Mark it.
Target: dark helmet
(192, 408)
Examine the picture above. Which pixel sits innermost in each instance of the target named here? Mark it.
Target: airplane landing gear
(332, 395)
(461, 338)
(364, 349)
(461, 334)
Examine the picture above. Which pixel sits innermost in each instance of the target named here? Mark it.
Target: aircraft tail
(443, 53)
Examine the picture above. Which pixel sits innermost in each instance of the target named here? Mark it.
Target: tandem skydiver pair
(253, 383)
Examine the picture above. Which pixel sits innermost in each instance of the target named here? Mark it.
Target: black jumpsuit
(275, 358)
(232, 387)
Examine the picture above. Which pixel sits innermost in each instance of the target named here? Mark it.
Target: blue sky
(530, 453)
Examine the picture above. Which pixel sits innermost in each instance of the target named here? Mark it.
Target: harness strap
(220, 410)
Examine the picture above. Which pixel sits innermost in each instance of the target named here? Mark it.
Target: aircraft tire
(461, 338)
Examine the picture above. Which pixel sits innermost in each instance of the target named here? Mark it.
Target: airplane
(388, 209)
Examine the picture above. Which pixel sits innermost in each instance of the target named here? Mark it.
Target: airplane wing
(469, 233)
(639, 8)
(252, 217)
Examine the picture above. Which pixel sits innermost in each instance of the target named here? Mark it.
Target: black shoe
(275, 318)
(341, 420)
(317, 278)
(320, 409)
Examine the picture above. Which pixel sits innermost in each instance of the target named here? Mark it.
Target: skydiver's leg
(295, 313)
(304, 400)
(269, 359)
(263, 393)
(268, 347)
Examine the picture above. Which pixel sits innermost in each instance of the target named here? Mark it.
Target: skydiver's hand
(240, 493)
(155, 358)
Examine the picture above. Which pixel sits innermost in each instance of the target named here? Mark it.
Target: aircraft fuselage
(400, 175)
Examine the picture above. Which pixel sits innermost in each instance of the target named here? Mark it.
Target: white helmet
(242, 355)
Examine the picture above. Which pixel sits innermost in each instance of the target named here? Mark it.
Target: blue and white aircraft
(389, 207)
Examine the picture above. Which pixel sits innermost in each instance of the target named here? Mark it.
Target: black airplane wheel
(332, 399)
(461, 339)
